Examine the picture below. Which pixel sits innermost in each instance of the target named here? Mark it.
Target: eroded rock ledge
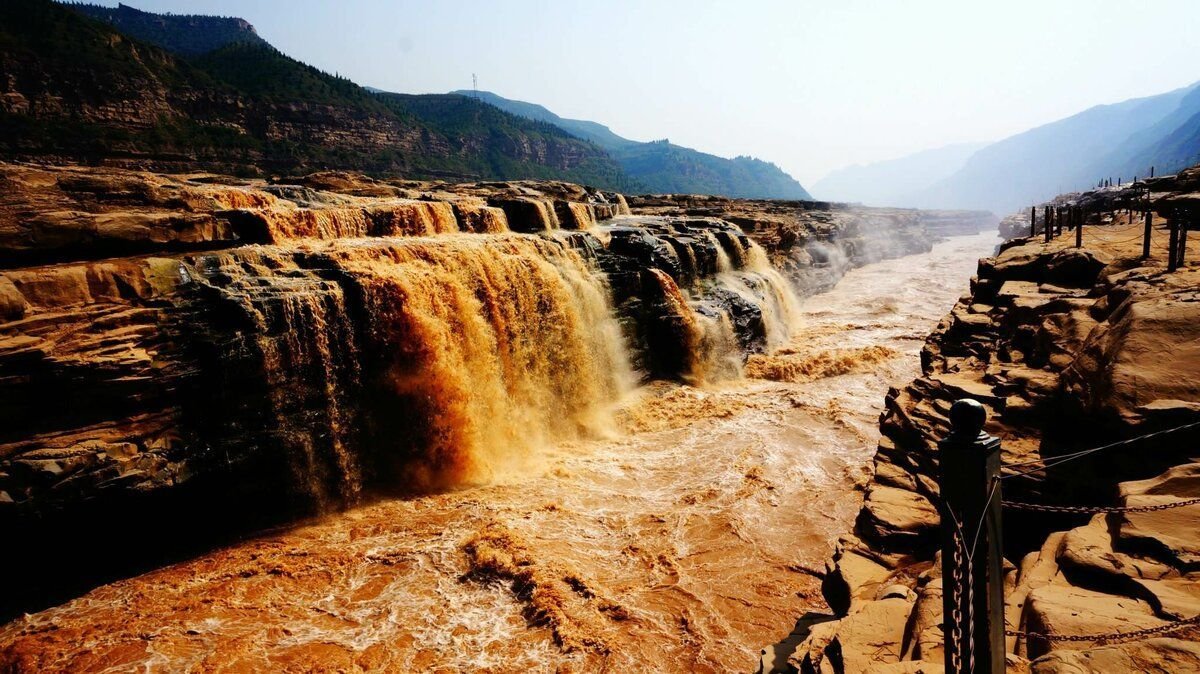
(1069, 349)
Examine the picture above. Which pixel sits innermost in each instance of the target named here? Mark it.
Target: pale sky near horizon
(811, 86)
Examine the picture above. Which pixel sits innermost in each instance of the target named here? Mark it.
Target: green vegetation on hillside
(666, 167)
(246, 107)
(264, 72)
(499, 134)
(662, 167)
(41, 41)
(184, 34)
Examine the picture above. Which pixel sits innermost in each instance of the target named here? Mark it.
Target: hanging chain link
(1093, 510)
(970, 581)
(1113, 637)
(956, 591)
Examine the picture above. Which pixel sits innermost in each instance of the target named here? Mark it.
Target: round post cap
(967, 417)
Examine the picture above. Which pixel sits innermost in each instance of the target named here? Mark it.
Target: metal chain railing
(970, 457)
(1063, 458)
(1094, 510)
(1111, 637)
(1107, 240)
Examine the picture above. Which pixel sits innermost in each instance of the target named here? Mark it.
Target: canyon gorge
(334, 422)
(338, 422)
(560, 418)
(303, 375)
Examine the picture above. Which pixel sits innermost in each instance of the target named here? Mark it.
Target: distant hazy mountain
(663, 167)
(894, 182)
(1117, 141)
(1171, 144)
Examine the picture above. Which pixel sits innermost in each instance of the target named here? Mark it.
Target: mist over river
(681, 539)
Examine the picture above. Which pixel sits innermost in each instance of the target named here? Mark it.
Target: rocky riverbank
(1068, 348)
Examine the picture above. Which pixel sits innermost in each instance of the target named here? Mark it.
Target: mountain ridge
(78, 89)
(1116, 140)
(166, 92)
(662, 166)
(887, 182)
(184, 34)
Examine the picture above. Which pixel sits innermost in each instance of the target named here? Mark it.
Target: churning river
(683, 539)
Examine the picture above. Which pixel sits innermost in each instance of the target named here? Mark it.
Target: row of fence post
(1056, 219)
(1107, 182)
(1073, 217)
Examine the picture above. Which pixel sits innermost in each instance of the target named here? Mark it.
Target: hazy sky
(811, 86)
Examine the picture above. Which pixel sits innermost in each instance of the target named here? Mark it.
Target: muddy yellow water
(679, 540)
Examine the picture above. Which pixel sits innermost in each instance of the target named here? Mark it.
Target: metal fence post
(972, 563)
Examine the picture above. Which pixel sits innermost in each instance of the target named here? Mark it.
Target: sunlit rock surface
(1068, 348)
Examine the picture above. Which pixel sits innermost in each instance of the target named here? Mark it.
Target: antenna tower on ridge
(475, 85)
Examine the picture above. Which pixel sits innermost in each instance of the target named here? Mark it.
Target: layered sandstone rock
(1068, 349)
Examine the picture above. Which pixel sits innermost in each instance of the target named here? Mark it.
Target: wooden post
(1151, 171)
(1079, 226)
(1146, 236)
(1183, 230)
(1046, 224)
(970, 467)
(1173, 242)
(1033, 221)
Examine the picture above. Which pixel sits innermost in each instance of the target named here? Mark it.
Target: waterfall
(424, 346)
(727, 302)
(430, 362)
(483, 348)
